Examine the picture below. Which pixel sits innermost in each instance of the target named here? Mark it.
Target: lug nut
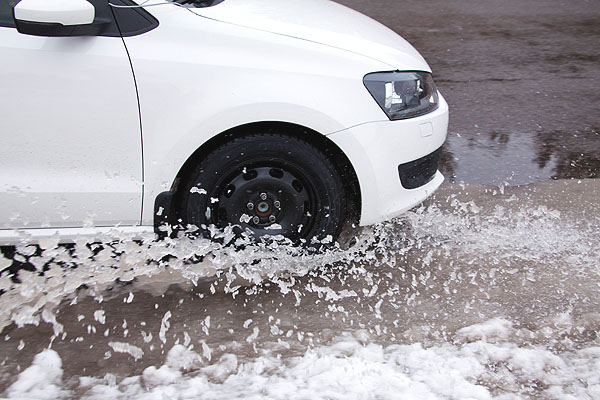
(263, 196)
(272, 218)
(250, 206)
(277, 204)
(256, 220)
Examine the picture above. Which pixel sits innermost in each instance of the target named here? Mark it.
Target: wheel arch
(330, 149)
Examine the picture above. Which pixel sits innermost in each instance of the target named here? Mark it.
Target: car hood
(323, 22)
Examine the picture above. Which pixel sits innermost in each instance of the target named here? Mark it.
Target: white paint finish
(426, 129)
(72, 235)
(64, 12)
(71, 148)
(321, 21)
(217, 76)
(376, 149)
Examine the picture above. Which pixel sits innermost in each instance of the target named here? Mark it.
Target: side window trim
(6, 13)
(132, 21)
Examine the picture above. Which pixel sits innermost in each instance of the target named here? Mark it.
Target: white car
(276, 116)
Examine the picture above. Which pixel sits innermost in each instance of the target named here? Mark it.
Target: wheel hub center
(263, 208)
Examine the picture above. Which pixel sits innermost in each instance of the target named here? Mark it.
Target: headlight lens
(403, 95)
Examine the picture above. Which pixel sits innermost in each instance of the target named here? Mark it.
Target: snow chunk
(198, 190)
(183, 358)
(164, 375)
(41, 380)
(100, 316)
(127, 348)
(492, 330)
(164, 327)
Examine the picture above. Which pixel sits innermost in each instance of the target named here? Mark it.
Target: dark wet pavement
(522, 78)
(521, 256)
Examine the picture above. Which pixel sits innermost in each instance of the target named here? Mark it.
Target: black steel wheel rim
(275, 198)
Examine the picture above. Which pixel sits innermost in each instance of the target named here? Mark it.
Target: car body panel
(71, 141)
(219, 76)
(323, 22)
(49, 237)
(376, 149)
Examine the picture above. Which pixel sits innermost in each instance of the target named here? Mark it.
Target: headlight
(403, 95)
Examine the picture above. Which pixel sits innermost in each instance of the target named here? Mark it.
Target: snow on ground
(42, 380)
(482, 293)
(491, 354)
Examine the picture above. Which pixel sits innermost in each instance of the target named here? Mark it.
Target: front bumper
(377, 149)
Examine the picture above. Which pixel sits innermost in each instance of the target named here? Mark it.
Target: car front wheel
(266, 184)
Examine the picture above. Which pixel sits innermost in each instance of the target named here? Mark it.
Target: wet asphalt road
(522, 78)
(522, 81)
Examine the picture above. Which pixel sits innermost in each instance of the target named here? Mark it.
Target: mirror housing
(64, 12)
(57, 18)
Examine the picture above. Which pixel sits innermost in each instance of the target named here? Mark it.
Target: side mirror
(58, 18)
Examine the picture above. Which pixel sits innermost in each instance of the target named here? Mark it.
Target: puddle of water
(518, 158)
(495, 159)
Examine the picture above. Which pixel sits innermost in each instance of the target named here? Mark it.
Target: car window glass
(6, 17)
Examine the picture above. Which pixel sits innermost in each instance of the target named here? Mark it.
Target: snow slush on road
(480, 293)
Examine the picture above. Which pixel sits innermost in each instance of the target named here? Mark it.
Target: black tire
(269, 184)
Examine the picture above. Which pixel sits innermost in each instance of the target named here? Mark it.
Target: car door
(70, 135)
